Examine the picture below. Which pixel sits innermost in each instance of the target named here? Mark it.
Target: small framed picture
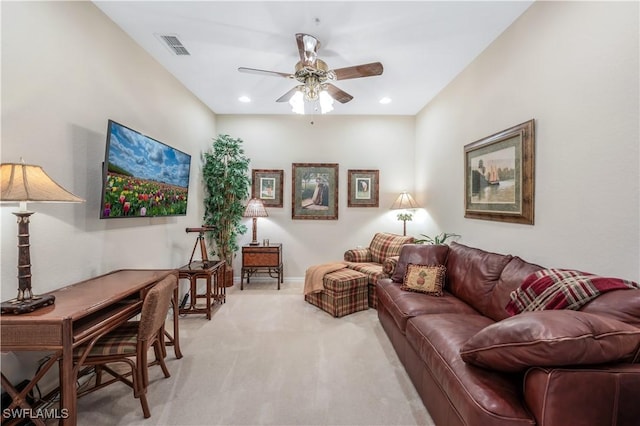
(363, 188)
(266, 185)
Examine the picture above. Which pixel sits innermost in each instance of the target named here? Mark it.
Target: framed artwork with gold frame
(499, 176)
(314, 191)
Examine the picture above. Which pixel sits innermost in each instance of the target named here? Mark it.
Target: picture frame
(499, 176)
(267, 185)
(314, 191)
(363, 188)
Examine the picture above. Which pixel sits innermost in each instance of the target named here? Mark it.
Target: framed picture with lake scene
(499, 176)
(314, 191)
(266, 185)
(363, 188)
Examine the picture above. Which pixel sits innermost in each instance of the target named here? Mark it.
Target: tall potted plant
(226, 183)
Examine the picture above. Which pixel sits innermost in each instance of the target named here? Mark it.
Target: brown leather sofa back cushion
(473, 273)
(510, 279)
(419, 254)
(623, 305)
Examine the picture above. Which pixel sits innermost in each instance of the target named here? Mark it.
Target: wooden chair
(129, 343)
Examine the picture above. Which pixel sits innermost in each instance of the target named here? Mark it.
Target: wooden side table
(213, 273)
(262, 258)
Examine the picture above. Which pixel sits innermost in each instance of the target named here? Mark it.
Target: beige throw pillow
(424, 279)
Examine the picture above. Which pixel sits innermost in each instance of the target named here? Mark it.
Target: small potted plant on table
(438, 239)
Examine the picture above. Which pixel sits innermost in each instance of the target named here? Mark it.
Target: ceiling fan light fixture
(326, 102)
(297, 102)
(312, 89)
(315, 91)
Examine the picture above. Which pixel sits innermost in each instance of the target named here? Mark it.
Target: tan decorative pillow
(424, 279)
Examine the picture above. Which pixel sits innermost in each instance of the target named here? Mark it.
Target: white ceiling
(422, 45)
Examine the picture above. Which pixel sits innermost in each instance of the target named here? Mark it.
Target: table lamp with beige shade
(23, 183)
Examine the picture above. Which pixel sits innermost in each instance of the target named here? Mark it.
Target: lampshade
(25, 182)
(326, 102)
(297, 102)
(404, 201)
(255, 208)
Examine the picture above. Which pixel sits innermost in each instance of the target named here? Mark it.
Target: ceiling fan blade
(338, 94)
(264, 72)
(308, 47)
(357, 71)
(288, 95)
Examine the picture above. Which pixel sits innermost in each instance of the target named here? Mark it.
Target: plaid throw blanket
(561, 289)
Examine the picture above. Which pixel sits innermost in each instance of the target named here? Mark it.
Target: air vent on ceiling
(174, 43)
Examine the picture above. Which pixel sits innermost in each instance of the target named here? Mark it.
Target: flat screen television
(142, 177)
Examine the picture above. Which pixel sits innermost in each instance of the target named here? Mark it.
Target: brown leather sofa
(564, 370)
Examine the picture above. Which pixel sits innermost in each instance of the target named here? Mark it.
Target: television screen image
(142, 177)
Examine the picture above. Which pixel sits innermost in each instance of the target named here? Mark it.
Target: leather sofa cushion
(510, 279)
(403, 305)
(473, 273)
(489, 397)
(551, 338)
(623, 305)
(419, 254)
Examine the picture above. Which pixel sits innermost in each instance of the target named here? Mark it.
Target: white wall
(66, 69)
(574, 68)
(354, 142)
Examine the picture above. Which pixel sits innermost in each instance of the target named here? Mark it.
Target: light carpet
(267, 357)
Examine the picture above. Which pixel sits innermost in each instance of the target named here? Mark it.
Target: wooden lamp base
(255, 242)
(16, 306)
(26, 301)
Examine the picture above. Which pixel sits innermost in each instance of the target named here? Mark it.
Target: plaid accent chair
(129, 343)
(378, 260)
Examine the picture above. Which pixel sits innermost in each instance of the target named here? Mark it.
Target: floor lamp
(24, 183)
(254, 210)
(405, 202)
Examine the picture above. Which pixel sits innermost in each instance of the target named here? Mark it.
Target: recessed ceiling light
(244, 99)
(385, 100)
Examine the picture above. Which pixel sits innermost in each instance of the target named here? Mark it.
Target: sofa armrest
(599, 395)
(389, 266)
(358, 255)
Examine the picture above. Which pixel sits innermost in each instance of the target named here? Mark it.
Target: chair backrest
(384, 245)
(155, 307)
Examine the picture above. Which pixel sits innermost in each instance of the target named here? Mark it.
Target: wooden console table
(262, 258)
(82, 312)
(213, 273)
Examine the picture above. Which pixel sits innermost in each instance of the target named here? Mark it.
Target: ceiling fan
(316, 77)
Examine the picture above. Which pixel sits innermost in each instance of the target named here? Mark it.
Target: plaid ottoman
(345, 292)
